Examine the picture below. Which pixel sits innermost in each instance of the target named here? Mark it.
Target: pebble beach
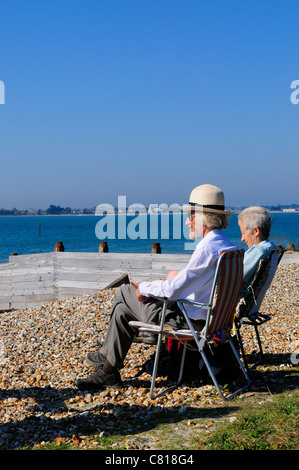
(43, 350)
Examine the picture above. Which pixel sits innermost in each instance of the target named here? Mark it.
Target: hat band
(210, 206)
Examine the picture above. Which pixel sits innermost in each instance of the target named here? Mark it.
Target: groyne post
(59, 246)
(103, 248)
(156, 248)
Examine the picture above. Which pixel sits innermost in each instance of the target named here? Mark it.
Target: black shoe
(99, 380)
(95, 358)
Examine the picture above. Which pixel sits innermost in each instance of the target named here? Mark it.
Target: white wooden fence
(33, 280)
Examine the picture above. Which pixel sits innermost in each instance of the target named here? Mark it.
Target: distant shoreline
(46, 215)
(116, 213)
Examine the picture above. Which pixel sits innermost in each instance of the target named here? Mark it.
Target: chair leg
(215, 381)
(182, 365)
(261, 353)
(211, 373)
(156, 363)
(180, 378)
(242, 368)
(257, 320)
(242, 347)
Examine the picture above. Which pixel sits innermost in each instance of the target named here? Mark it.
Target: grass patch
(269, 426)
(262, 422)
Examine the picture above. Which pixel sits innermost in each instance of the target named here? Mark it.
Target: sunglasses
(191, 215)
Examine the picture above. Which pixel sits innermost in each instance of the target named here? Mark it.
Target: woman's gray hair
(256, 216)
(217, 221)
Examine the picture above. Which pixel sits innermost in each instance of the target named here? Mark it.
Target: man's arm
(141, 297)
(181, 284)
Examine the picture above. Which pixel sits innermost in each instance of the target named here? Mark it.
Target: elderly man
(206, 219)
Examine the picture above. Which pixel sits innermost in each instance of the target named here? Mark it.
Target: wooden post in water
(39, 227)
(59, 246)
(156, 248)
(103, 248)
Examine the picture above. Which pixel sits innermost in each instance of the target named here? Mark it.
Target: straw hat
(208, 198)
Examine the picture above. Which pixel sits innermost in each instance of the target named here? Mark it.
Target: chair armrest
(194, 303)
(184, 301)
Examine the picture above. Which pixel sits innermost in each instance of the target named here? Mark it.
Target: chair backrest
(252, 297)
(225, 293)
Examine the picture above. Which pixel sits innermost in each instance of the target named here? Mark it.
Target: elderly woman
(255, 224)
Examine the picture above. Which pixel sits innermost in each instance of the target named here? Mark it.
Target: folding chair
(247, 311)
(224, 297)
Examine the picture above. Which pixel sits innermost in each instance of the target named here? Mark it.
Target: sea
(123, 233)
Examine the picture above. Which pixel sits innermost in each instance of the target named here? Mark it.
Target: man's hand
(140, 297)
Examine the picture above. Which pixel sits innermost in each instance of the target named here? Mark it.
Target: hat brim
(198, 208)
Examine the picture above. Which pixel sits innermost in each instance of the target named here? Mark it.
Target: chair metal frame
(254, 295)
(224, 297)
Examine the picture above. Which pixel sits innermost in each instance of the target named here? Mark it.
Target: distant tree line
(57, 210)
(52, 210)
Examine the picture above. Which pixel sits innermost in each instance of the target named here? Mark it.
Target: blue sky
(148, 99)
